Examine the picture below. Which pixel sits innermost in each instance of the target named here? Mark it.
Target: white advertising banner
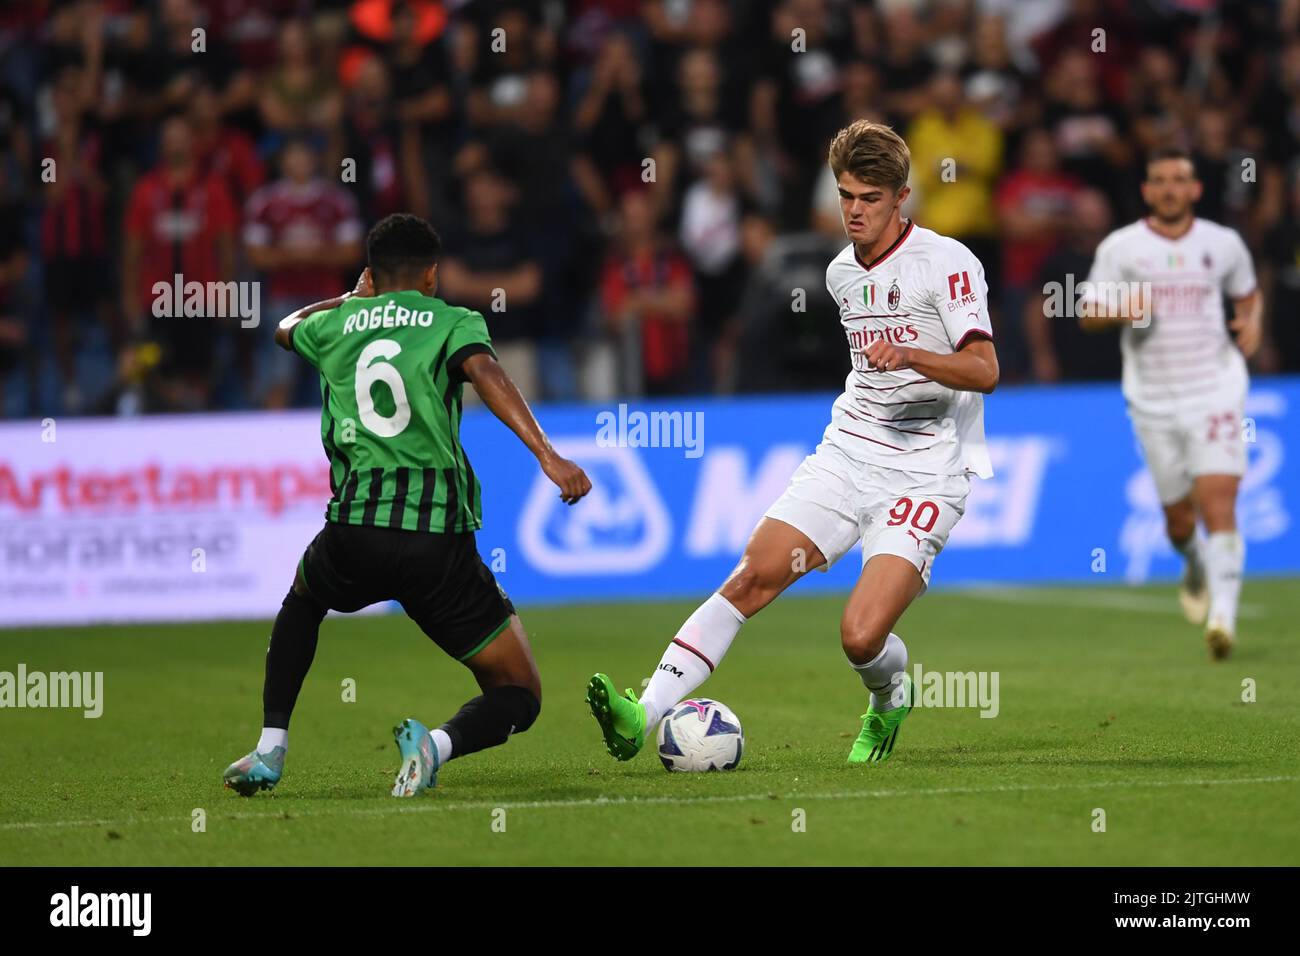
(156, 519)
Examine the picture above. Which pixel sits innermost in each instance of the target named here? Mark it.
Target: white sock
(1191, 552)
(443, 744)
(884, 672)
(697, 649)
(271, 738)
(1225, 556)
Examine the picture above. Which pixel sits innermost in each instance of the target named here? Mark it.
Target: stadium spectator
(1086, 127)
(700, 124)
(956, 158)
(906, 64)
(299, 96)
(422, 106)
(509, 47)
(179, 60)
(15, 304)
(993, 82)
(495, 267)
(780, 345)
(1058, 347)
(535, 153)
(303, 233)
(710, 235)
(1281, 282)
(74, 235)
(796, 105)
(1225, 192)
(649, 302)
(610, 110)
(1034, 204)
(224, 150)
(179, 222)
(371, 143)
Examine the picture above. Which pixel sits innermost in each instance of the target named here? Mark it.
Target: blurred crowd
(633, 193)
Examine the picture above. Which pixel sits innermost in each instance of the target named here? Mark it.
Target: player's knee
(520, 704)
(750, 586)
(1180, 523)
(862, 638)
(1219, 512)
(302, 602)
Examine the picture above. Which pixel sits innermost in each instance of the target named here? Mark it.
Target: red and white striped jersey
(925, 291)
(1186, 356)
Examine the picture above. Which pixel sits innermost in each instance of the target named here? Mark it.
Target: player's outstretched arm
(284, 328)
(502, 397)
(1128, 304)
(972, 368)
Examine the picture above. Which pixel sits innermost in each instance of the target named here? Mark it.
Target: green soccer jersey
(391, 407)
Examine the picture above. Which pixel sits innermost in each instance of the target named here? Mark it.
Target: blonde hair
(873, 153)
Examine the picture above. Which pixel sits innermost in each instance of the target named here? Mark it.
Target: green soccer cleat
(879, 733)
(254, 771)
(419, 769)
(621, 717)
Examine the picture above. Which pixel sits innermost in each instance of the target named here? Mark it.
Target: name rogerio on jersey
(390, 315)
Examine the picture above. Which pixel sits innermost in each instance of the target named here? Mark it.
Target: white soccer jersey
(1186, 356)
(925, 291)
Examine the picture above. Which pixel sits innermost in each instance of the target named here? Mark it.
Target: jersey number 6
(385, 426)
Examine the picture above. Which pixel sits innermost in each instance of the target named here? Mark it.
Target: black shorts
(440, 580)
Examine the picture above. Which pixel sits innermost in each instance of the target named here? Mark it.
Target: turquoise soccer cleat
(419, 769)
(255, 771)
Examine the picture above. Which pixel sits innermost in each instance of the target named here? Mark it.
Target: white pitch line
(598, 802)
(1104, 600)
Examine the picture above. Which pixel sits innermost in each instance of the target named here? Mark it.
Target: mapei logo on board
(621, 527)
(1002, 511)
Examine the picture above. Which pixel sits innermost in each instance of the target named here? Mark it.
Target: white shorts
(1179, 448)
(838, 502)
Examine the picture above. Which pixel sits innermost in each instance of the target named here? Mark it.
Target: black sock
(293, 646)
(489, 720)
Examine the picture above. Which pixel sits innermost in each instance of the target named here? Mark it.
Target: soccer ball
(700, 735)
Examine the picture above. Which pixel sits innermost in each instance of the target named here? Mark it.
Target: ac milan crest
(895, 296)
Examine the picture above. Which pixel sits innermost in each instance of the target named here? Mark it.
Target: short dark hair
(401, 245)
(1170, 152)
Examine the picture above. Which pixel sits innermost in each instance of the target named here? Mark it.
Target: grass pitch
(1106, 701)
